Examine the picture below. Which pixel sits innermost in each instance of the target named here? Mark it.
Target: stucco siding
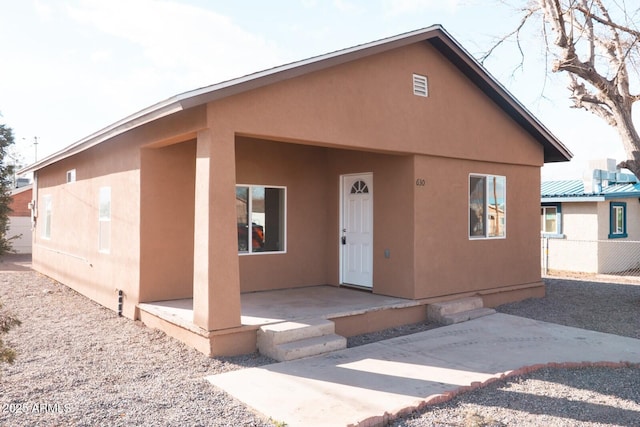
(70, 255)
(447, 260)
(311, 177)
(587, 247)
(393, 218)
(167, 188)
(302, 172)
(578, 250)
(580, 221)
(174, 222)
(619, 254)
(369, 104)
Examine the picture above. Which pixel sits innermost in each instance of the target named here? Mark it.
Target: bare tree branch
(596, 51)
(608, 21)
(528, 14)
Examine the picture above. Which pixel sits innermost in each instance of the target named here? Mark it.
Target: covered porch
(354, 312)
(201, 197)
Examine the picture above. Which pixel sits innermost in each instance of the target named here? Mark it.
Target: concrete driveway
(370, 384)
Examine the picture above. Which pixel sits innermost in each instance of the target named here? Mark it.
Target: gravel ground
(558, 397)
(79, 364)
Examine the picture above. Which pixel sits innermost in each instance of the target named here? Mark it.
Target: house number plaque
(420, 182)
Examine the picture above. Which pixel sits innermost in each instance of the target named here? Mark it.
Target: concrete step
(307, 347)
(279, 333)
(295, 340)
(440, 309)
(463, 316)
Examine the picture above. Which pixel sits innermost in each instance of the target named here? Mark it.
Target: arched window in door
(359, 187)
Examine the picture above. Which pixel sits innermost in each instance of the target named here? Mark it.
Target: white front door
(357, 230)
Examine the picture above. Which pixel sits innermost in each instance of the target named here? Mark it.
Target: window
(551, 219)
(487, 206)
(420, 86)
(260, 213)
(617, 220)
(71, 175)
(48, 207)
(359, 187)
(104, 220)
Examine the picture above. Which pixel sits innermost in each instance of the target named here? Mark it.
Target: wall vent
(420, 87)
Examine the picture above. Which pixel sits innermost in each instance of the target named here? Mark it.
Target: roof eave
(227, 88)
(627, 195)
(564, 199)
(154, 112)
(554, 150)
(436, 35)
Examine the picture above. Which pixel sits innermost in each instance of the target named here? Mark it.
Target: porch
(354, 312)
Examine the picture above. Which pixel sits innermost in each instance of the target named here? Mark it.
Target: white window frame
(250, 250)
(543, 214)
(485, 217)
(71, 176)
(47, 204)
(104, 220)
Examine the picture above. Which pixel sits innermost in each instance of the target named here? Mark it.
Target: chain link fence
(613, 257)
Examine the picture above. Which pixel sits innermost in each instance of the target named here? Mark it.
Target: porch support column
(216, 277)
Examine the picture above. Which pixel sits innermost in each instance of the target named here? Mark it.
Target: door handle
(344, 240)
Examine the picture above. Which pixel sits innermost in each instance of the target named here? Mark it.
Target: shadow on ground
(15, 262)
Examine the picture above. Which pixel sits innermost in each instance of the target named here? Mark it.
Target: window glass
(260, 213)
(549, 219)
(496, 205)
(617, 220)
(487, 206)
(242, 215)
(618, 227)
(476, 205)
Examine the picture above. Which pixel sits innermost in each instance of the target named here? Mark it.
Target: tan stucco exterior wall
(71, 255)
(173, 190)
(167, 221)
(302, 171)
(369, 105)
(455, 122)
(447, 260)
(311, 176)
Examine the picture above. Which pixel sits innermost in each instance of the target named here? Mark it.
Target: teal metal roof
(573, 191)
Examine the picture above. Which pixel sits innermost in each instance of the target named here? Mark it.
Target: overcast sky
(72, 67)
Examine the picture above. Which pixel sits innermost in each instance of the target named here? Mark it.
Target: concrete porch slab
(326, 302)
(365, 385)
(261, 308)
(353, 311)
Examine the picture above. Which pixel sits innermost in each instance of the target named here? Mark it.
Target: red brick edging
(436, 399)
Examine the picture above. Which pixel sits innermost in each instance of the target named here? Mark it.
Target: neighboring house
(587, 220)
(360, 167)
(20, 219)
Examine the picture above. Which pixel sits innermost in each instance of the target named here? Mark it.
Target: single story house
(20, 219)
(375, 167)
(591, 225)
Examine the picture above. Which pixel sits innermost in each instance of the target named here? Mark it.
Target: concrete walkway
(369, 384)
